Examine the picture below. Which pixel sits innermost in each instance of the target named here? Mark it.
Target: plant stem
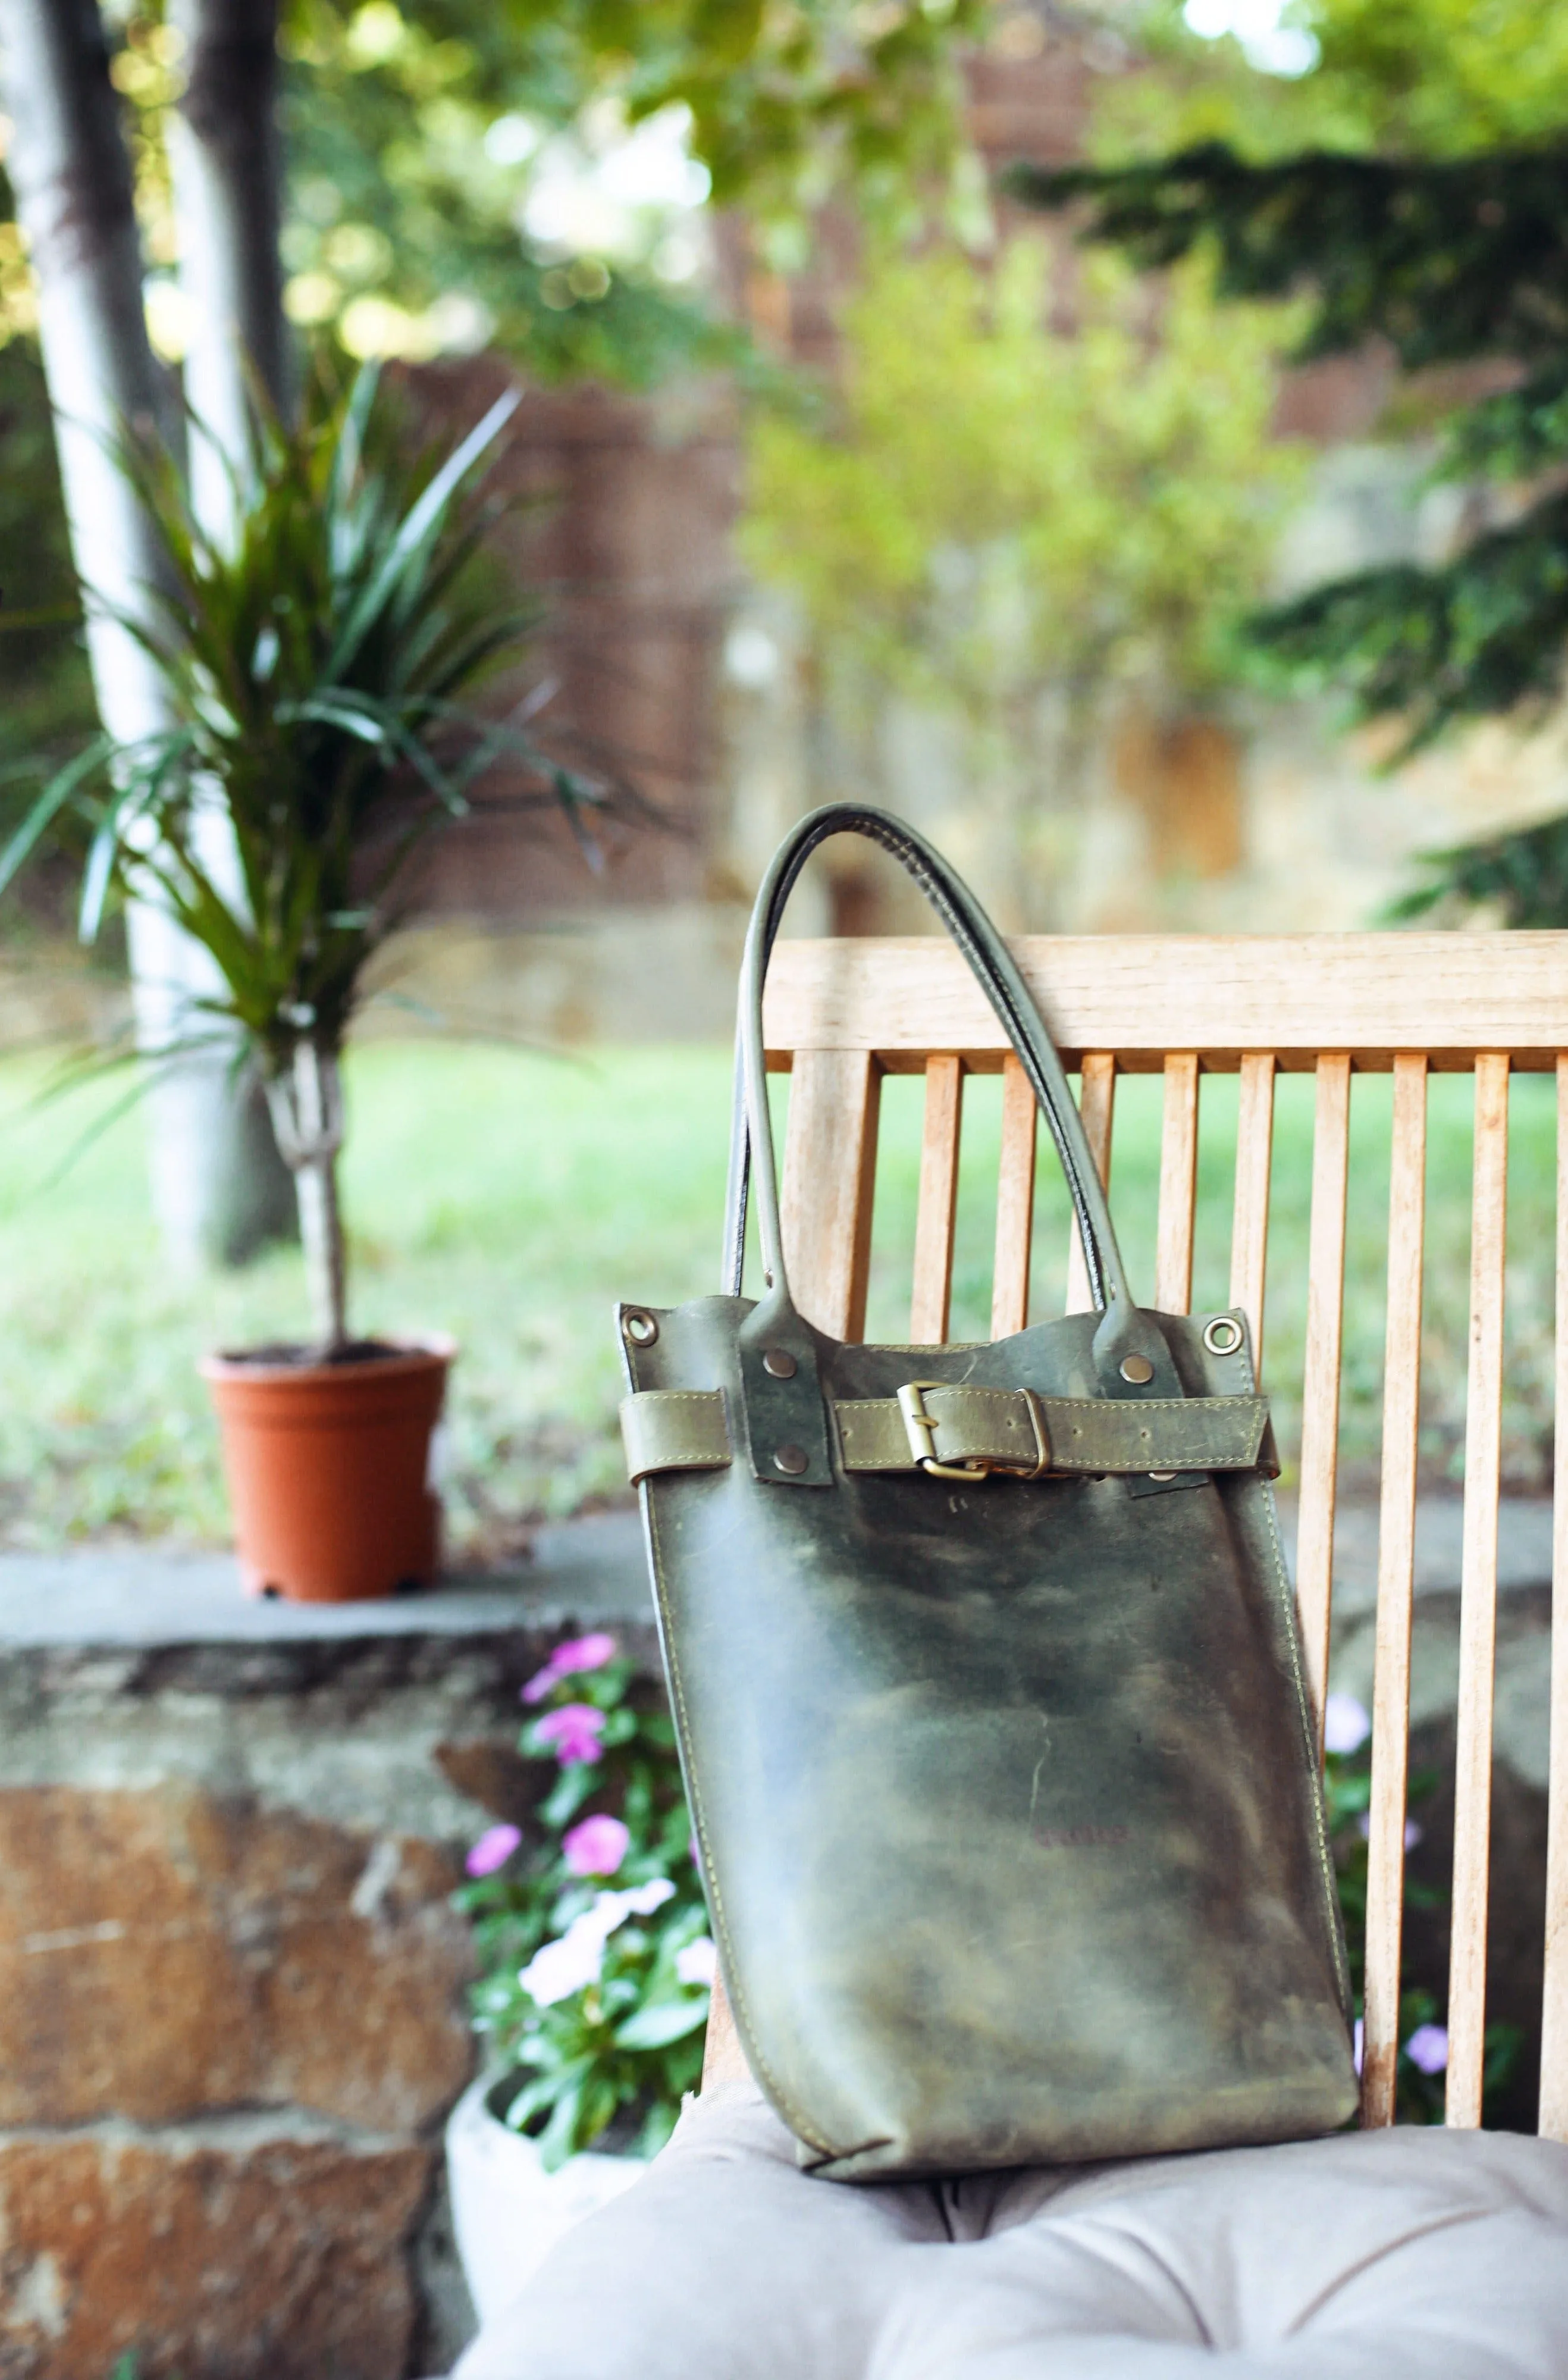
(308, 1115)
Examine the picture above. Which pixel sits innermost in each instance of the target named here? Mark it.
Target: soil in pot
(327, 1463)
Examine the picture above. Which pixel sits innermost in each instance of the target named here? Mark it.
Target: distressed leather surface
(1411, 2254)
(1006, 1793)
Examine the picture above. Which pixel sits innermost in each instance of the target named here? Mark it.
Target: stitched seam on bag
(781, 2097)
(1320, 1831)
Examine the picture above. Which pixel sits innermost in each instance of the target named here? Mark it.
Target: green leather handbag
(985, 1670)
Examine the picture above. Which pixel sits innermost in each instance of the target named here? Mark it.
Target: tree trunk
(308, 1113)
(223, 159)
(72, 181)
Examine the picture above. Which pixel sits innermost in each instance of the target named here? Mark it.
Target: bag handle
(997, 972)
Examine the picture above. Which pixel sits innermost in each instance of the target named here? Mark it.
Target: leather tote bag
(989, 1692)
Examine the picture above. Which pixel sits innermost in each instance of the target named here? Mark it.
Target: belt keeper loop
(1042, 1436)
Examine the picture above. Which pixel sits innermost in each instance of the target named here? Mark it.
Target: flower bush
(1420, 2082)
(596, 1962)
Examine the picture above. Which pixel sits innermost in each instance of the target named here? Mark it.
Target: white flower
(1345, 1724)
(698, 1962)
(567, 1966)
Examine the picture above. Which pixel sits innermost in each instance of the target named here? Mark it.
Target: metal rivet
(779, 1364)
(791, 1460)
(1162, 1474)
(1223, 1336)
(640, 1328)
(1137, 1368)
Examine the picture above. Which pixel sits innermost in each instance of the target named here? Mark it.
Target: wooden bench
(841, 1014)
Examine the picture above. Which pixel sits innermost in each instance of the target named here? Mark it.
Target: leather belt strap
(972, 1430)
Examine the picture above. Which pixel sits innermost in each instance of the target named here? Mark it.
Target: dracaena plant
(596, 1959)
(317, 662)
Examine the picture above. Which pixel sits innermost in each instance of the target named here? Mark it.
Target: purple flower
(1428, 2048)
(573, 1731)
(596, 1846)
(493, 1849)
(1413, 1830)
(1345, 1724)
(579, 1653)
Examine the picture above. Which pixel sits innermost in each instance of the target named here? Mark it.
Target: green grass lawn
(510, 1199)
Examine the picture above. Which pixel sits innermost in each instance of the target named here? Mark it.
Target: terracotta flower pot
(327, 1468)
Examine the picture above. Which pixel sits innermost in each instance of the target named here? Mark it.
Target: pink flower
(574, 1730)
(596, 1846)
(579, 1653)
(493, 1849)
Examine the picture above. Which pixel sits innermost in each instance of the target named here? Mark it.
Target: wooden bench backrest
(840, 1015)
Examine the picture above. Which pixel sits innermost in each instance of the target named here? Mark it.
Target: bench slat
(1178, 1186)
(1554, 2005)
(1097, 1101)
(1396, 1571)
(1250, 1226)
(829, 1179)
(1015, 1203)
(1320, 1384)
(1477, 1600)
(1444, 996)
(938, 1207)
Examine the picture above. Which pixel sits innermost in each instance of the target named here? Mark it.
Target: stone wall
(234, 1987)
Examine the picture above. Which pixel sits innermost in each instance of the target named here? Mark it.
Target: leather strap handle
(997, 972)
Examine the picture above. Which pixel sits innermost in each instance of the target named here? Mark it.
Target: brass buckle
(918, 1423)
(911, 1404)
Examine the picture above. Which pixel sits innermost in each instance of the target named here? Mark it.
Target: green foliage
(993, 502)
(627, 2039)
(1449, 262)
(405, 221)
(413, 141)
(314, 664)
(1519, 878)
(1410, 189)
(996, 509)
(788, 105)
(1430, 78)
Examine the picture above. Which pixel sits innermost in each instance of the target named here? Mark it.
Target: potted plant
(315, 664)
(596, 1968)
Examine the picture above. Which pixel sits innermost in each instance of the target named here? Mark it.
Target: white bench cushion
(1413, 2254)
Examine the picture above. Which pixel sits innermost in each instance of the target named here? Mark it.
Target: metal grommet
(1223, 1335)
(779, 1364)
(640, 1327)
(790, 1460)
(1138, 1370)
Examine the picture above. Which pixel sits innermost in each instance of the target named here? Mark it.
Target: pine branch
(1448, 261)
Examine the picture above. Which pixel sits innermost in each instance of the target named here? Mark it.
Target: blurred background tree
(1030, 499)
(523, 179)
(462, 176)
(1404, 167)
